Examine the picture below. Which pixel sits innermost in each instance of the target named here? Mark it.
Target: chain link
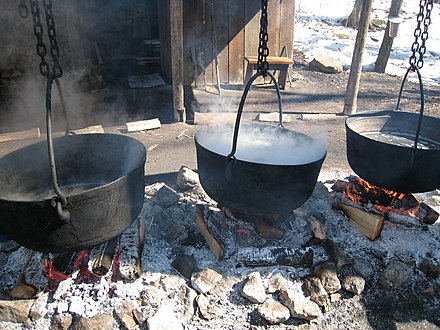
(263, 50)
(41, 47)
(23, 10)
(423, 18)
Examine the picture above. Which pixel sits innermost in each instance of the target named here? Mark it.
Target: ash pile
(188, 263)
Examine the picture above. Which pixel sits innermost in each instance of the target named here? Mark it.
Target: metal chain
(23, 10)
(38, 31)
(51, 32)
(419, 50)
(263, 51)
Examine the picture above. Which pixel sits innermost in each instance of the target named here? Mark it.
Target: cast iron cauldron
(395, 150)
(254, 181)
(102, 176)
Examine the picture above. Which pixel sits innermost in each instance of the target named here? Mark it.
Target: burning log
(213, 244)
(272, 255)
(102, 256)
(266, 230)
(386, 201)
(368, 223)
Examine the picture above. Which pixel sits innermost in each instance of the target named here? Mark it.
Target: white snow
(318, 30)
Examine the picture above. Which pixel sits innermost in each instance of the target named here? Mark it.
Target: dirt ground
(309, 92)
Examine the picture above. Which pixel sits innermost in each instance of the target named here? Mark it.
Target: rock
(205, 307)
(166, 197)
(299, 306)
(185, 265)
(326, 64)
(395, 275)
(124, 314)
(166, 228)
(363, 268)
(171, 282)
(187, 298)
(338, 256)
(104, 321)
(276, 283)
(254, 288)
(205, 280)
(187, 178)
(38, 309)
(428, 267)
(326, 272)
(16, 311)
(313, 287)
(152, 189)
(164, 319)
(353, 283)
(152, 296)
(61, 321)
(273, 312)
(224, 287)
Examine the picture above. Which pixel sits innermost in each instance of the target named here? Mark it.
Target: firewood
(273, 255)
(370, 224)
(33, 133)
(266, 230)
(142, 125)
(213, 244)
(141, 228)
(430, 216)
(102, 256)
(89, 130)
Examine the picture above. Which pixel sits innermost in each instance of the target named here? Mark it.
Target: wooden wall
(226, 30)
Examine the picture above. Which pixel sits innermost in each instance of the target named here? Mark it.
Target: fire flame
(384, 200)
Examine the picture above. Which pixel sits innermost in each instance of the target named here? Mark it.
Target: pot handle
(230, 159)
(422, 104)
(59, 202)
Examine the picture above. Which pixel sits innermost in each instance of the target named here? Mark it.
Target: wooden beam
(356, 62)
(176, 29)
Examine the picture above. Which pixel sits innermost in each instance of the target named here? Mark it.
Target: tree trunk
(387, 41)
(353, 19)
(356, 62)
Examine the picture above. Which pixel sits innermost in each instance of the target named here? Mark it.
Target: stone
(124, 314)
(187, 178)
(104, 321)
(326, 64)
(326, 272)
(185, 265)
(38, 309)
(61, 321)
(151, 296)
(353, 283)
(205, 280)
(299, 306)
(277, 282)
(224, 287)
(395, 274)
(363, 268)
(253, 289)
(166, 197)
(313, 287)
(205, 307)
(187, 298)
(166, 228)
(152, 189)
(171, 282)
(273, 312)
(429, 268)
(16, 311)
(164, 319)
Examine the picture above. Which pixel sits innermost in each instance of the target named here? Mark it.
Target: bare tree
(387, 41)
(354, 17)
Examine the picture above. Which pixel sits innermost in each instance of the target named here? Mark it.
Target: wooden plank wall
(227, 30)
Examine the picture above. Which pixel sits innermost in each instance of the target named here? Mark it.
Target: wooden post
(356, 62)
(176, 29)
(387, 41)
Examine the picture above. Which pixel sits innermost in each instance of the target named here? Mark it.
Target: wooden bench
(275, 63)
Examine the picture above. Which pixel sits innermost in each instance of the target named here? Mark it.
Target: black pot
(253, 184)
(389, 164)
(102, 177)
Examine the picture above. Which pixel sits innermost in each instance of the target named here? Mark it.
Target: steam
(263, 144)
